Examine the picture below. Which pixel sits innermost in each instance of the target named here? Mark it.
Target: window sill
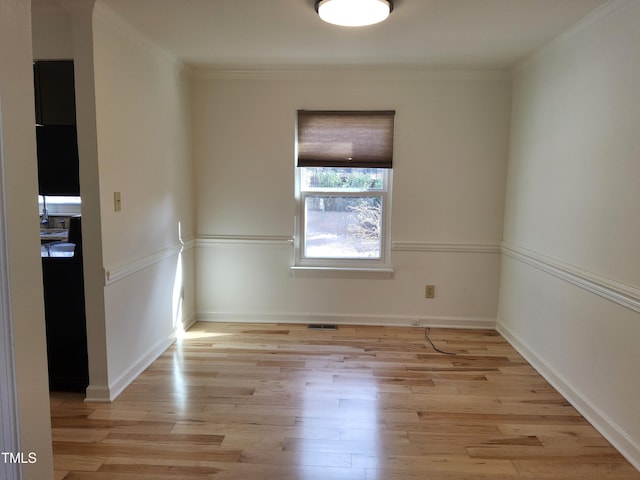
(341, 272)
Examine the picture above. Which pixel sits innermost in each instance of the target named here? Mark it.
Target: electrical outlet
(429, 291)
(415, 322)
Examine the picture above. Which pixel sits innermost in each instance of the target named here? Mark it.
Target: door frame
(9, 433)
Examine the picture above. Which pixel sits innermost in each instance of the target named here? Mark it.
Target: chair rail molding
(405, 246)
(118, 272)
(214, 240)
(620, 293)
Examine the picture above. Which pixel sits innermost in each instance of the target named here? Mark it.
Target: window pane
(363, 179)
(58, 199)
(343, 226)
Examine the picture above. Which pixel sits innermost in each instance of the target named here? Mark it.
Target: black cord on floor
(426, 336)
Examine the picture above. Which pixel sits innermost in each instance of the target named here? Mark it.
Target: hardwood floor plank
(170, 439)
(571, 454)
(458, 464)
(78, 435)
(78, 463)
(551, 469)
(282, 402)
(135, 475)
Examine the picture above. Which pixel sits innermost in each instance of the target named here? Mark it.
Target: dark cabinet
(56, 134)
(58, 163)
(54, 92)
(64, 305)
(66, 325)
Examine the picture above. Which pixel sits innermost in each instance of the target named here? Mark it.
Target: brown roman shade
(362, 139)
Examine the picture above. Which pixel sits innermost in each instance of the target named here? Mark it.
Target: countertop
(53, 243)
(53, 235)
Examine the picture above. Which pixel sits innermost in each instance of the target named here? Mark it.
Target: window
(59, 205)
(343, 189)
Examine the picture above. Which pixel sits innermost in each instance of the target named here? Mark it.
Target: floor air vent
(322, 326)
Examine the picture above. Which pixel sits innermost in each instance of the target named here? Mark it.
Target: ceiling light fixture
(354, 13)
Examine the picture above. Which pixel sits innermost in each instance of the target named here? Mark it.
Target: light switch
(429, 291)
(117, 203)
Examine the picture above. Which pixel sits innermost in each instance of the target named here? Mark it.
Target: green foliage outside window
(353, 178)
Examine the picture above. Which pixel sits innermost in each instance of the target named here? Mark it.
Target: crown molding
(341, 72)
(112, 19)
(573, 33)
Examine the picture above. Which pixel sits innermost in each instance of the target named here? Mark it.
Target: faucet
(45, 214)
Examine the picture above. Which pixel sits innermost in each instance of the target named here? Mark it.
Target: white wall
(52, 29)
(570, 295)
(20, 192)
(448, 192)
(143, 140)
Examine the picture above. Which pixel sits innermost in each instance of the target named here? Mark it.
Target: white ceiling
(487, 34)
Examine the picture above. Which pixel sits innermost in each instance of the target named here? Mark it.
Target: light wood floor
(281, 402)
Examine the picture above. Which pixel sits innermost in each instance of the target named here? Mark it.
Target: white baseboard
(97, 393)
(108, 393)
(350, 319)
(188, 322)
(125, 379)
(600, 421)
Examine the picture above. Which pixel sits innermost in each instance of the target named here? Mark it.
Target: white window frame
(343, 267)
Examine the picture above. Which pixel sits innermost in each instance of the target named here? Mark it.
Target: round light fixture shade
(354, 13)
